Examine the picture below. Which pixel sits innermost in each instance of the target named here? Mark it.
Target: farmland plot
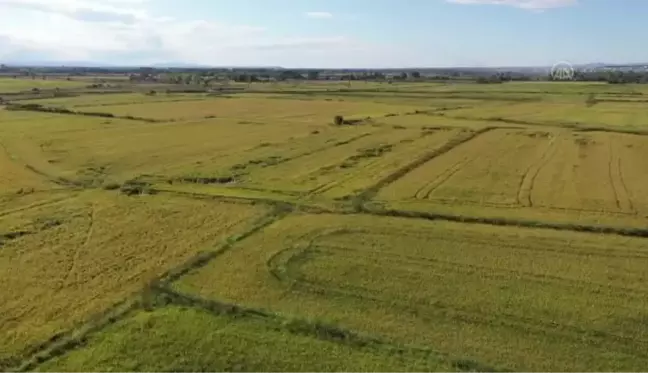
(115, 99)
(486, 170)
(9, 85)
(252, 109)
(555, 175)
(97, 150)
(349, 168)
(514, 298)
(188, 340)
(63, 262)
(568, 113)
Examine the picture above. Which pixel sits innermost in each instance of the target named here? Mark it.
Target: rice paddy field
(434, 227)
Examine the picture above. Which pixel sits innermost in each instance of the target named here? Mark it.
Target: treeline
(222, 76)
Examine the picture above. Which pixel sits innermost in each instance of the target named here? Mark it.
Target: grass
(82, 255)
(488, 293)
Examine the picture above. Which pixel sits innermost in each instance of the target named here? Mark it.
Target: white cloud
(319, 15)
(524, 4)
(125, 32)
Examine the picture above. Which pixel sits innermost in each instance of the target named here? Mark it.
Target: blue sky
(325, 33)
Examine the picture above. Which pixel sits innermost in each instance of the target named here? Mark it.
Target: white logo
(562, 71)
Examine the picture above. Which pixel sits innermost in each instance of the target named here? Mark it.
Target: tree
(403, 75)
(416, 74)
(313, 75)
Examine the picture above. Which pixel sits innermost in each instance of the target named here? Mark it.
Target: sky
(324, 33)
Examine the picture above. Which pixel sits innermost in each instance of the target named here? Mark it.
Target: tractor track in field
(624, 186)
(72, 269)
(617, 182)
(525, 189)
(442, 178)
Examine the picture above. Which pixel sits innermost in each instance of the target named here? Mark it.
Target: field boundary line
(498, 221)
(63, 342)
(323, 188)
(63, 111)
(75, 337)
(371, 191)
(574, 126)
(202, 259)
(310, 328)
(369, 210)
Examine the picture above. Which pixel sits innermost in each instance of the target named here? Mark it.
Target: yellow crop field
(423, 120)
(491, 293)
(329, 226)
(566, 112)
(533, 174)
(15, 177)
(62, 262)
(8, 85)
(251, 109)
(194, 340)
(101, 100)
(359, 162)
(484, 171)
(107, 149)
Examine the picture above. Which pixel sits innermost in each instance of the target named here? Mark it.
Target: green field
(11, 85)
(442, 227)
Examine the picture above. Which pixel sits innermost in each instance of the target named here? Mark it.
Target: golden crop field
(584, 176)
(621, 114)
(63, 262)
(491, 293)
(251, 109)
(205, 342)
(429, 227)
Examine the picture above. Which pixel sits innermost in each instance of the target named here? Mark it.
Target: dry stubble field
(448, 227)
